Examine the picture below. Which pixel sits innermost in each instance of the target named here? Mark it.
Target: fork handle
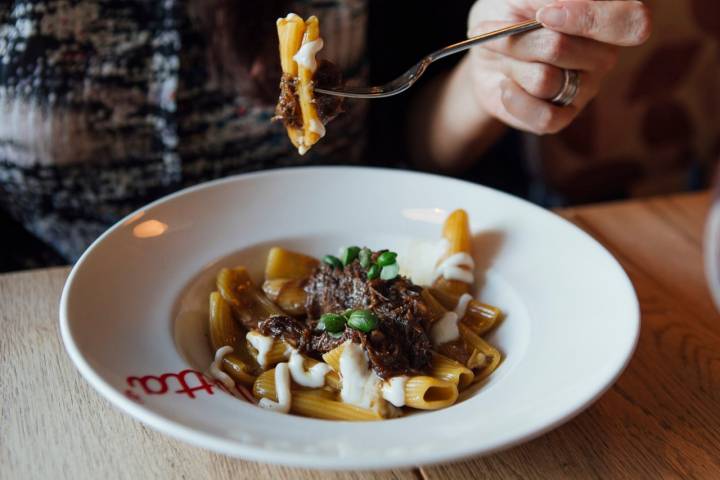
(485, 37)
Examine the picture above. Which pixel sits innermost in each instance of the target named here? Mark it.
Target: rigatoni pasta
(298, 106)
(347, 337)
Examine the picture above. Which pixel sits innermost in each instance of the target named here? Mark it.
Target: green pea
(333, 261)
(373, 272)
(390, 271)
(331, 322)
(363, 320)
(365, 257)
(386, 258)
(349, 254)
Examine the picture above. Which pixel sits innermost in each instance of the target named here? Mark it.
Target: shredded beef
(290, 329)
(303, 337)
(400, 344)
(288, 107)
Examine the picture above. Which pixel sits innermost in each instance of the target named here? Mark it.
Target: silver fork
(407, 79)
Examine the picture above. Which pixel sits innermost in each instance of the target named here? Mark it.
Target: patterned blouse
(106, 105)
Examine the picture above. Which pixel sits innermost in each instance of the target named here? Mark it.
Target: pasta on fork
(304, 115)
(349, 338)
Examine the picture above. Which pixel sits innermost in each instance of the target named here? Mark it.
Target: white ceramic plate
(134, 310)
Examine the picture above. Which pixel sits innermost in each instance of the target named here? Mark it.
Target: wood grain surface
(660, 420)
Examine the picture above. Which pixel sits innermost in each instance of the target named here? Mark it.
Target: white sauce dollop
(394, 390)
(418, 260)
(359, 382)
(262, 344)
(446, 329)
(312, 378)
(317, 127)
(305, 57)
(282, 387)
(462, 305)
(451, 268)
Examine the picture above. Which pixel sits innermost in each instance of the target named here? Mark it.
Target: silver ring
(569, 90)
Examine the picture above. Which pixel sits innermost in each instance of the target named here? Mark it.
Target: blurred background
(106, 105)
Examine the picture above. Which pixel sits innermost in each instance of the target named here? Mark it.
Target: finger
(538, 79)
(545, 81)
(513, 12)
(554, 48)
(526, 112)
(623, 23)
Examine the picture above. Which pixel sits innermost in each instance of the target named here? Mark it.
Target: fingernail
(552, 16)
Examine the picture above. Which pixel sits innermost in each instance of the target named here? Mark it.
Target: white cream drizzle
(312, 378)
(462, 305)
(317, 127)
(359, 382)
(394, 390)
(262, 344)
(282, 387)
(419, 258)
(215, 370)
(451, 268)
(305, 57)
(446, 329)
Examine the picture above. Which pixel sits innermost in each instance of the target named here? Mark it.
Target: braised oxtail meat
(332, 290)
(288, 107)
(289, 329)
(328, 76)
(399, 345)
(303, 337)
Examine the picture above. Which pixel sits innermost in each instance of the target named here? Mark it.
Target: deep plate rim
(242, 450)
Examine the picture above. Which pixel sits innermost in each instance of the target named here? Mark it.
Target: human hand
(513, 79)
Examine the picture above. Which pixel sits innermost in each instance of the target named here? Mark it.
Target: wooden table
(660, 420)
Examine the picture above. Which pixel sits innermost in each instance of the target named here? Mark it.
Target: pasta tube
(437, 309)
(456, 231)
(428, 393)
(479, 317)
(313, 129)
(265, 384)
(299, 43)
(238, 369)
(288, 294)
(290, 36)
(484, 358)
(224, 331)
(422, 392)
(312, 403)
(250, 304)
(286, 264)
(449, 370)
(332, 357)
